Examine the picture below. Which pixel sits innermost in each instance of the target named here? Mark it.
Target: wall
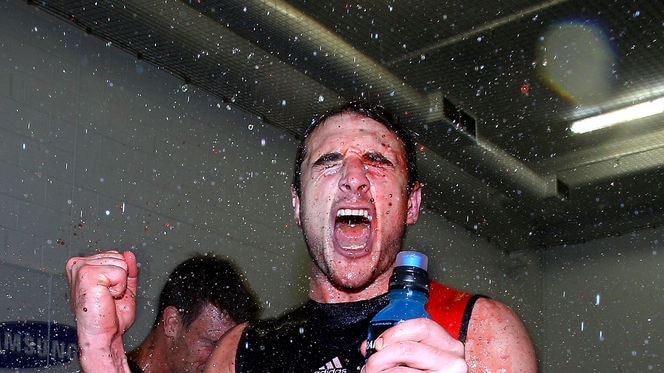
(603, 302)
(99, 150)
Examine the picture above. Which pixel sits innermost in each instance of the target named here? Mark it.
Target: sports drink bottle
(408, 294)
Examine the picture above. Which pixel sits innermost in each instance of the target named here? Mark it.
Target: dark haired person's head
(369, 110)
(205, 279)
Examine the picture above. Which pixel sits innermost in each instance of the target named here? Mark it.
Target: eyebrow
(328, 157)
(368, 156)
(377, 157)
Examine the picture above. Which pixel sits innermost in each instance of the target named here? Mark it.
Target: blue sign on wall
(36, 344)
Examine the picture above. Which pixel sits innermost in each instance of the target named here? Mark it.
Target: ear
(171, 322)
(296, 206)
(414, 200)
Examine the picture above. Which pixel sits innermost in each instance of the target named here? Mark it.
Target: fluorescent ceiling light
(638, 111)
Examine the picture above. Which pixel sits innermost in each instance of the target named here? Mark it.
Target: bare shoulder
(498, 341)
(222, 359)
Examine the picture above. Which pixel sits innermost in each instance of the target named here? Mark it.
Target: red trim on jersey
(450, 308)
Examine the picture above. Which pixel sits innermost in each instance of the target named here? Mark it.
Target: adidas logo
(332, 366)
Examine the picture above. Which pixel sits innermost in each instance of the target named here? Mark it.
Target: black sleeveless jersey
(314, 338)
(326, 338)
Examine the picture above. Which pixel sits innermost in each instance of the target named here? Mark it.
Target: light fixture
(630, 113)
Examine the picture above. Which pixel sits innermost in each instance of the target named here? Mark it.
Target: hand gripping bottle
(408, 293)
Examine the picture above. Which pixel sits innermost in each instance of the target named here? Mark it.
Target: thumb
(132, 271)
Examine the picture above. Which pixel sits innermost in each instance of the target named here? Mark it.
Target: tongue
(352, 237)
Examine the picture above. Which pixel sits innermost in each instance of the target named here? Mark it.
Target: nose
(354, 176)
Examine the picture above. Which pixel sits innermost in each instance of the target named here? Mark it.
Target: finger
(421, 330)
(106, 270)
(415, 355)
(132, 272)
(399, 369)
(71, 263)
(74, 263)
(70, 267)
(81, 269)
(420, 344)
(132, 264)
(418, 330)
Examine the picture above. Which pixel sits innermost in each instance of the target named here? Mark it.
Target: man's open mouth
(352, 228)
(353, 216)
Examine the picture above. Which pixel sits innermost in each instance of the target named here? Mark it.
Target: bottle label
(376, 328)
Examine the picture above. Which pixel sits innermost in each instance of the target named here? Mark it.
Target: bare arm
(498, 341)
(103, 295)
(222, 359)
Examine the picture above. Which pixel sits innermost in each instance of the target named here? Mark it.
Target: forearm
(103, 293)
(96, 356)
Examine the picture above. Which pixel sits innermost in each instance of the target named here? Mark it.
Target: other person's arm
(222, 359)
(103, 295)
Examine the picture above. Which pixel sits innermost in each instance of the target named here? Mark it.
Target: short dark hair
(369, 110)
(207, 279)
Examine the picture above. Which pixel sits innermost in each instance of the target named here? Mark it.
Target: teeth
(350, 212)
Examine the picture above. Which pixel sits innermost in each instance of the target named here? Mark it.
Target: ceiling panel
(488, 88)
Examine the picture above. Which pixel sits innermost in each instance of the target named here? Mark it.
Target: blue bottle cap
(412, 259)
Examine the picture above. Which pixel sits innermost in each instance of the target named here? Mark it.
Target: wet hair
(207, 279)
(365, 109)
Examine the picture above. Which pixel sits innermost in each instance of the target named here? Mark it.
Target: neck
(322, 290)
(150, 354)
